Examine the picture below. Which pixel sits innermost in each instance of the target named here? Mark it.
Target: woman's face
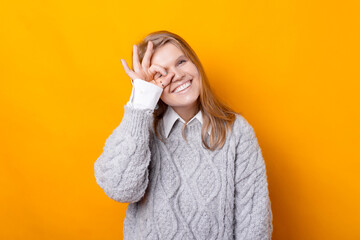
(185, 72)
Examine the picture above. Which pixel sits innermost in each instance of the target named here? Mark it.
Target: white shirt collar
(170, 117)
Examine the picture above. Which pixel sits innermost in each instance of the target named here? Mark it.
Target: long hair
(215, 113)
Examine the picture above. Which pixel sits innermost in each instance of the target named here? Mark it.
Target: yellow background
(290, 67)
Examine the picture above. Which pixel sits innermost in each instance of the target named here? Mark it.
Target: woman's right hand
(145, 72)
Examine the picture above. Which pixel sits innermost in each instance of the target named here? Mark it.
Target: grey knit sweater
(181, 190)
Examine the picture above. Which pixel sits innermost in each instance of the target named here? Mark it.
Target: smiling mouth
(181, 88)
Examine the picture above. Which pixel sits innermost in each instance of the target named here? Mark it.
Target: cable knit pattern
(180, 190)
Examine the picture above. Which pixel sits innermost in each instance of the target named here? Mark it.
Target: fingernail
(165, 73)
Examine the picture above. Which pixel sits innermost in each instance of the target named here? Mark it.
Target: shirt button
(141, 91)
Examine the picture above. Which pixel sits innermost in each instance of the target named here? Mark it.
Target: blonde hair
(215, 113)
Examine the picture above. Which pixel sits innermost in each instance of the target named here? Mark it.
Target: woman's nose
(178, 75)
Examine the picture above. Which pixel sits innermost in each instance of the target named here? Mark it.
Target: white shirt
(145, 95)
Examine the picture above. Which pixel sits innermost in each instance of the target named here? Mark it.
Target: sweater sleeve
(144, 95)
(122, 168)
(253, 215)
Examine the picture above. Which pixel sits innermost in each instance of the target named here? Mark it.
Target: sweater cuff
(136, 121)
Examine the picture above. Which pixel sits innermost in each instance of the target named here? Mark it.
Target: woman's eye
(182, 61)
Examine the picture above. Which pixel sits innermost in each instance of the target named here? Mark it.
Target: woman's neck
(187, 112)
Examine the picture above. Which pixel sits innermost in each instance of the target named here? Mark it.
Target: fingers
(157, 69)
(136, 61)
(146, 60)
(141, 71)
(163, 81)
(167, 79)
(127, 69)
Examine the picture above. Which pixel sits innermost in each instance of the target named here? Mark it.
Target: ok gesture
(144, 71)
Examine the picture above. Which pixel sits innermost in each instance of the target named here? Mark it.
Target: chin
(181, 101)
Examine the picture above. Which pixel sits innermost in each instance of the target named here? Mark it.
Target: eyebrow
(176, 60)
(180, 57)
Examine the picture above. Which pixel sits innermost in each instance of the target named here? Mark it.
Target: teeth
(182, 87)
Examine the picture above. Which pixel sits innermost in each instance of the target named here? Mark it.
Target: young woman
(190, 167)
